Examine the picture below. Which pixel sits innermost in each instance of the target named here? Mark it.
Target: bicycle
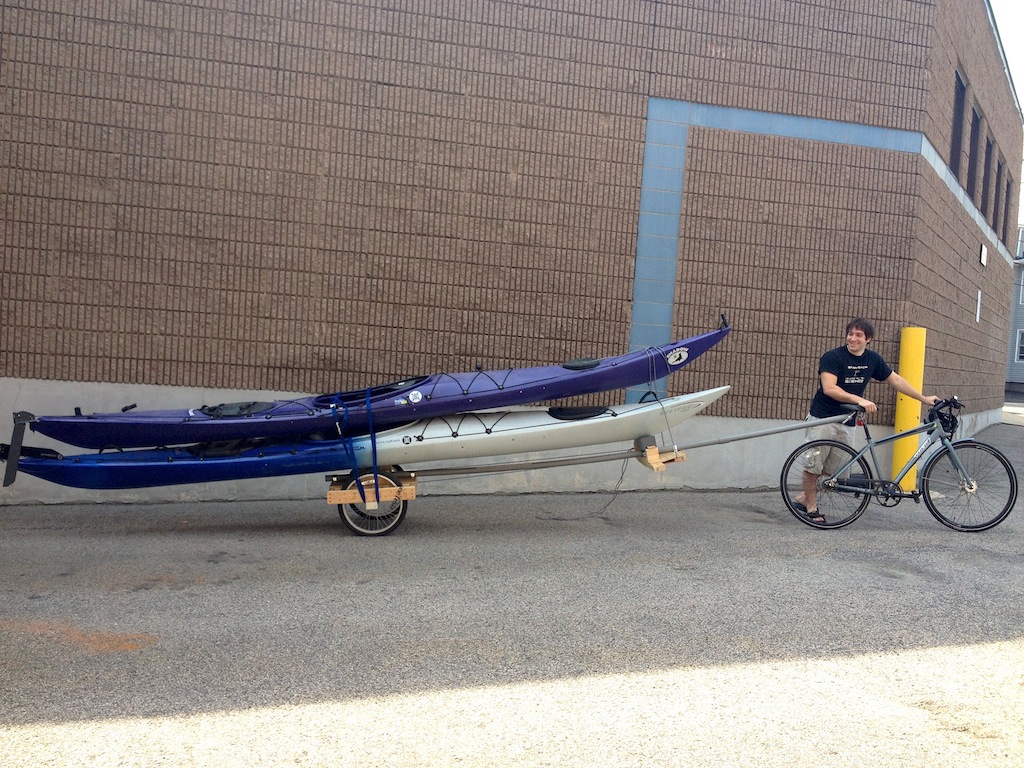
(966, 485)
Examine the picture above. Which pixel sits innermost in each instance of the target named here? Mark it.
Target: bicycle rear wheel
(838, 507)
(976, 503)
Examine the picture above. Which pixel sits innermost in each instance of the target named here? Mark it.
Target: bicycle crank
(889, 494)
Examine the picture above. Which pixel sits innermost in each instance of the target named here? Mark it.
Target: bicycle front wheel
(976, 502)
(838, 507)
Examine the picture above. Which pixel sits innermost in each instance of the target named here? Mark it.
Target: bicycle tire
(978, 506)
(366, 519)
(839, 508)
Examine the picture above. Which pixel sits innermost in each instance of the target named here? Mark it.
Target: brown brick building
(310, 196)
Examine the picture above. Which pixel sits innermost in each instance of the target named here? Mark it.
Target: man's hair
(861, 325)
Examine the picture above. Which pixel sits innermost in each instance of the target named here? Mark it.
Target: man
(844, 373)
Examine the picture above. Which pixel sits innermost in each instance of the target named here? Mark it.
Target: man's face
(856, 341)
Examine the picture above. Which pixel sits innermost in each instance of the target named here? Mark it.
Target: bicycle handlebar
(952, 403)
(942, 412)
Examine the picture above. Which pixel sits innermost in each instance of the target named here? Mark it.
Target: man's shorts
(820, 461)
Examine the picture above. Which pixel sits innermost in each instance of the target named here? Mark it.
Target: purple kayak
(359, 412)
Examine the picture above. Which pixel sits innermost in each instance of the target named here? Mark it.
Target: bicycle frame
(935, 435)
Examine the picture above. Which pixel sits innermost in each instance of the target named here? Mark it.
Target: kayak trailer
(375, 503)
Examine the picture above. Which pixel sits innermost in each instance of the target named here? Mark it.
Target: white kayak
(499, 433)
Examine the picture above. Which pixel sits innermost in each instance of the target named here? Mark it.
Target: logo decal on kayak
(415, 396)
(678, 356)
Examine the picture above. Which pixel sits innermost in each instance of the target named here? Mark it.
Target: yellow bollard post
(908, 410)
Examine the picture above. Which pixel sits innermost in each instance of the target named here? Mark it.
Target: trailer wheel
(370, 519)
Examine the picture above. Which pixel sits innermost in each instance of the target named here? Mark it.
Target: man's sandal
(815, 517)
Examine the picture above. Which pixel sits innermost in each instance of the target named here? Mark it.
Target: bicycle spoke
(838, 507)
(981, 500)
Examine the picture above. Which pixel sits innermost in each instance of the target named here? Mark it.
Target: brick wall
(966, 355)
(792, 238)
(327, 195)
(964, 43)
(857, 61)
(315, 196)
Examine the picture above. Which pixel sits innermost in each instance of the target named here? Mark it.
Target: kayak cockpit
(235, 410)
(360, 395)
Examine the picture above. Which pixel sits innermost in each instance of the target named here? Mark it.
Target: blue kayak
(454, 437)
(359, 412)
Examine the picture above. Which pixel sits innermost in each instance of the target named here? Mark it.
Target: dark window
(1006, 211)
(972, 155)
(997, 206)
(956, 145)
(986, 178)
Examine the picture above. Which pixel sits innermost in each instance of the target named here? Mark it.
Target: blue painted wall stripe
(663, 181)
(661, 205)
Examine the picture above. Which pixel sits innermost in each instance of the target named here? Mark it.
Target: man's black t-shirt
(852, 374)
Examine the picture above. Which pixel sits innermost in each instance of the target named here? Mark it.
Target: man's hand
(867, 405)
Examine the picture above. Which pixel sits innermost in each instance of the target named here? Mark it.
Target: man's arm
(903, 386)
(830, 386)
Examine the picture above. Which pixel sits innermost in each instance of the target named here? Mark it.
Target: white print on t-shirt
(851, 374)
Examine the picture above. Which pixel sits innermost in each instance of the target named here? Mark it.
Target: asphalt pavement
(664, 628)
